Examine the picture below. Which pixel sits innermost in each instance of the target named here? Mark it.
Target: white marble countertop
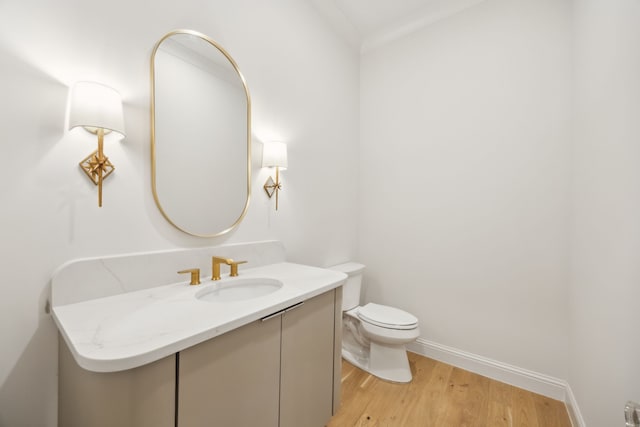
(131, 329)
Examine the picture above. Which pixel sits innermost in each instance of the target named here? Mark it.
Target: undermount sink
(239, 290)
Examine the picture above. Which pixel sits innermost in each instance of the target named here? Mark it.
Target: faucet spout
(215, 266)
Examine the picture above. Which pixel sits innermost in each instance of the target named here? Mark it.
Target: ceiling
(367, 24)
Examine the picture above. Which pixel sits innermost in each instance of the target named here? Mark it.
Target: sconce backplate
(91, 166)
(270, 187)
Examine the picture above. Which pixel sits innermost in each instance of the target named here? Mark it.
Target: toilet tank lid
(350, 268)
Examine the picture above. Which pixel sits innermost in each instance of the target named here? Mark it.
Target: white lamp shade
(95, 105)
(274, 154)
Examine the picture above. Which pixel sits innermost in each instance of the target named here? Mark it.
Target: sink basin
(239, 290)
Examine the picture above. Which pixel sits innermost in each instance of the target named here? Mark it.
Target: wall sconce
(98, 109)
(274, 154)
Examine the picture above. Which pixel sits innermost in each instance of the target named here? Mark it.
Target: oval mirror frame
(182, 227)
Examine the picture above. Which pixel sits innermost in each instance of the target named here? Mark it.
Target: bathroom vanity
(180, 355)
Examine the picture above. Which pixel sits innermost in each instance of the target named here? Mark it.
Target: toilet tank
(351, 288)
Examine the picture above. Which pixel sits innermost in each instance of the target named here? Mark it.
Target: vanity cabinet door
(307, 386)
(233, 379)
(139, 397)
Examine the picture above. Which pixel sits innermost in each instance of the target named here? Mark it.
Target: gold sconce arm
(96, 165)
(274, 154)
(272, 187)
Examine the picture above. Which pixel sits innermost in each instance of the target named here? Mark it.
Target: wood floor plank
(457, 396)
(427, 395)
(454, 397)
(390, 403)
(499, 411)
(355, 394)
(441, 396)
(550, 413)
(475, 409)
(499, 415)
(524, 410)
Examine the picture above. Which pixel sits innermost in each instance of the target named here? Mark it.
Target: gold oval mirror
(200, 135)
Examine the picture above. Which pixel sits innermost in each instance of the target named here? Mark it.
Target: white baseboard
(574, 409)
(535, 382)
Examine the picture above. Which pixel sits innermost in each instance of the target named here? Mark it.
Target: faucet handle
(234, 267)
(195, 275)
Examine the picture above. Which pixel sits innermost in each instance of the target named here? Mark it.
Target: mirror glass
(200, 134)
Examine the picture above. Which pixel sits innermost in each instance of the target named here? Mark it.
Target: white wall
(465, 171)
(464, 153)
(304, 85)
(604, 357)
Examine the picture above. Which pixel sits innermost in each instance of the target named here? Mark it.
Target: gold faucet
(195, 275)
(234, 267)
(215, 266)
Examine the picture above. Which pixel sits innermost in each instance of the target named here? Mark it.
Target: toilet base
(358, 362)
(387, 362)
(390, 362)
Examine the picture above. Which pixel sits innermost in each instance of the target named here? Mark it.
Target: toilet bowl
(374, 335)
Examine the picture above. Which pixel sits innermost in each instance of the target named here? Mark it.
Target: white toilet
(374, 335)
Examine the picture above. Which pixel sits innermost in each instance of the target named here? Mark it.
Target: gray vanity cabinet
(139, 397)
(307, 360)
(232, 380)
(278, 371)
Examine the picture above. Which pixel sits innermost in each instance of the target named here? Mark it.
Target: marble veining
(110, 331)
(84, 279)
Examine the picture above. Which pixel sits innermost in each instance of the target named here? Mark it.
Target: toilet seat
(387, 317)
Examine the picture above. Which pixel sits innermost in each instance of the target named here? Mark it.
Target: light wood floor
(441, 396)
